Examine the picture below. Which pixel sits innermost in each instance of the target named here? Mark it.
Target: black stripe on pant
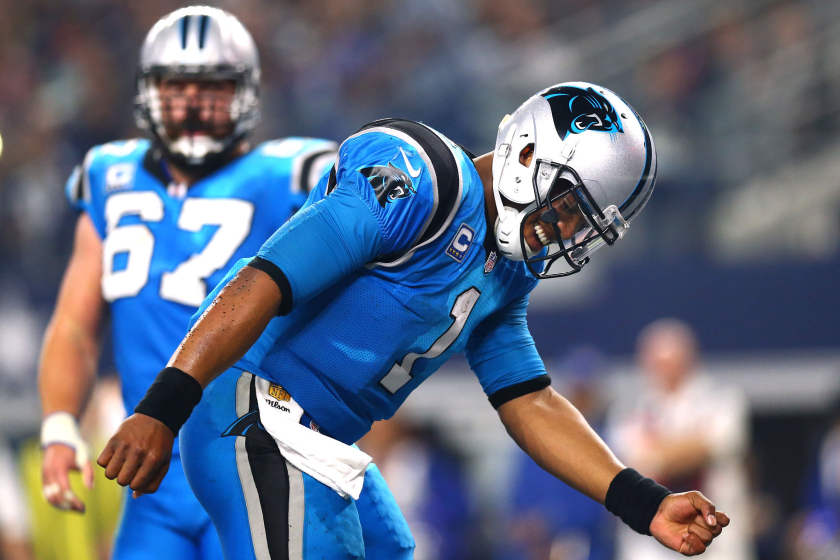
(270, 481)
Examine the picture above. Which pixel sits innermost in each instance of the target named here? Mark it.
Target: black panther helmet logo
(576, 110)
(389, 183)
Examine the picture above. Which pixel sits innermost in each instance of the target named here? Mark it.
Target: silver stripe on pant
(249, 488)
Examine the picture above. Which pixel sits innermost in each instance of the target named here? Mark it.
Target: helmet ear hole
(526, 154)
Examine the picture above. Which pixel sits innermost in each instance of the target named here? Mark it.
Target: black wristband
(171, 398)
(635, 499)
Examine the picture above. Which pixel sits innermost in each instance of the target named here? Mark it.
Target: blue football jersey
(353, 348)
(165, 245)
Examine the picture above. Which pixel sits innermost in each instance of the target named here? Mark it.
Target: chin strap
(500, 163)
(507, 232)
(506, 228)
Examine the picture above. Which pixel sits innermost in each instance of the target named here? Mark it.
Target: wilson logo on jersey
(459, 246)
(576, 110)
(278, 392)
(389, 183)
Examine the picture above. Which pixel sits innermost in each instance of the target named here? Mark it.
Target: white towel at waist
(339, 466)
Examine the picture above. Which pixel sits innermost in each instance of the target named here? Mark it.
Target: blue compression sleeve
(323, 243)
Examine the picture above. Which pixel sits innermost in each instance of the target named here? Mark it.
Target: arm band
(635, 499)
(502, 396)
(286, 301)
(171, 398)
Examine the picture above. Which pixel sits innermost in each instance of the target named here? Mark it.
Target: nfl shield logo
(490, 262)
(278, 392)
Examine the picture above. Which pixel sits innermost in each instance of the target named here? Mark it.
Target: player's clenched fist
(138, 455)
(687, 523)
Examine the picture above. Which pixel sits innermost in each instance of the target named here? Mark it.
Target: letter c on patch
(462, 242)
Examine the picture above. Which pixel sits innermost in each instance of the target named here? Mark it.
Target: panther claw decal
(242, 425)
(576, 110)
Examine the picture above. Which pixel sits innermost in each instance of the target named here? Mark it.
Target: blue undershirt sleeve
(503, 356)
(319, 245)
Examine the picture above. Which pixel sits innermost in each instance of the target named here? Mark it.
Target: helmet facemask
(566, 201)
(197, 129)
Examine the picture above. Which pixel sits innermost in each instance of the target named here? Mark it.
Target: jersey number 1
(185, 284)
(400, 373)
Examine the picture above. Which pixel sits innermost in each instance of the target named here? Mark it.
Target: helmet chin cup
(509, 235)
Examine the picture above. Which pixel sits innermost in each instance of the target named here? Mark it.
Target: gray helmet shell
(583, 133)
(206, 43)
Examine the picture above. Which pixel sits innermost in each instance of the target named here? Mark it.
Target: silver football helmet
(200, 43)
(574, 147)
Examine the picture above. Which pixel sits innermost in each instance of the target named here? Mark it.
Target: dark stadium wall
(790, 306)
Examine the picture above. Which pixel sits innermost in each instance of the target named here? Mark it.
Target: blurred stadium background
(741, 239)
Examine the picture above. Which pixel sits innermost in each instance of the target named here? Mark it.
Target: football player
(410, 250)
(161, 220)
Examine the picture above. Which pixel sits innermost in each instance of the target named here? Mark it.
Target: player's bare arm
(138, 454)
(68, 367)
(547, 427)
(558, 438)
(235, 320)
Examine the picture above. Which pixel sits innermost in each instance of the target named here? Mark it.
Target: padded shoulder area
(446, 177)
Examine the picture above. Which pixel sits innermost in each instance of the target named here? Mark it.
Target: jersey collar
(154, 165)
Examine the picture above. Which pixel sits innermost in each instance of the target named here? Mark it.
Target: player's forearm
(67, 371)
(229, 327)
(70, 353)
(558, 438)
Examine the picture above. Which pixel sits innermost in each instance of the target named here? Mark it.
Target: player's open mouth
(541, 235)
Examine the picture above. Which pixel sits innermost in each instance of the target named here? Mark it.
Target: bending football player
(161, 222)
(409, 251)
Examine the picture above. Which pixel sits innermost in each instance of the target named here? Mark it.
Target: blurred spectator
(815, 531)
(427, 480)
(685, 431)
(548, 520)
(512, 52)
